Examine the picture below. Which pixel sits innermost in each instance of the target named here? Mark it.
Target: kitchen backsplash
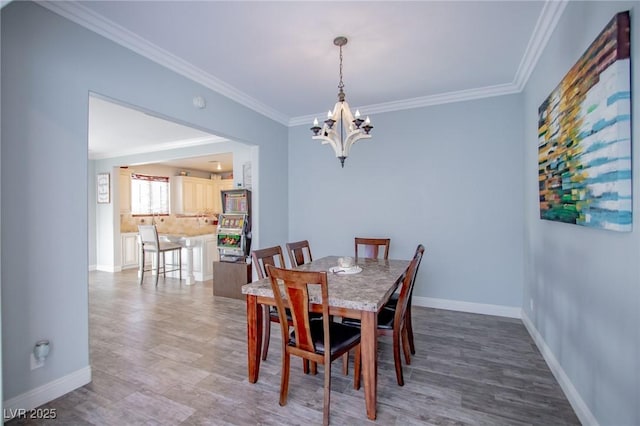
(172, 224)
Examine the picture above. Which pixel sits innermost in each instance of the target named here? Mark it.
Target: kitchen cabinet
(130, 250)
(124, 189)
(191, 195)
(210, 245)
(220, 185)
(188, 195)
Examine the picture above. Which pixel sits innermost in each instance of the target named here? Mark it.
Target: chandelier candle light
(333, 131)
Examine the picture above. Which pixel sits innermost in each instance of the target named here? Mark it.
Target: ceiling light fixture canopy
(217, 164)
(341, 129)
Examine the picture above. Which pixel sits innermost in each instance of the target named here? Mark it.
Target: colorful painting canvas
(584, 137)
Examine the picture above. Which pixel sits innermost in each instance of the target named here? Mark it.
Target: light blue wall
(585, 283)
(49, 66)
(447, 176)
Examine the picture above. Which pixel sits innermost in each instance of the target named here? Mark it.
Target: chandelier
(341, 129)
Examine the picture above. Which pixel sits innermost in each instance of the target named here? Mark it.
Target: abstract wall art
(584, 137)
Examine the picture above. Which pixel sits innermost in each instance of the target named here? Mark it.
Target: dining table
(358, 295)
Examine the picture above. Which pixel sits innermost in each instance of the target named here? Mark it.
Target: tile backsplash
(172, 224)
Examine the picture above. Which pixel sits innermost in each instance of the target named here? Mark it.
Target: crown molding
(186, 143)
(87, 18)
(545, 25)
(423, 101)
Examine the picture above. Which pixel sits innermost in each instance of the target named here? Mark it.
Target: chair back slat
(407, 285)
(296, 286)
(261, 258)
(298, 298)
(371, 247)
(299, 253)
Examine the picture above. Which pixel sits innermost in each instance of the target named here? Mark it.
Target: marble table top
(364, 291)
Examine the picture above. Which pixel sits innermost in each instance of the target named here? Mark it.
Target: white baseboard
(108, 268)
(475, 308)
(92, 268)
(585, 415)
(48, 392)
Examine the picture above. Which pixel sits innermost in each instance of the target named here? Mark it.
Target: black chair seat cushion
(385, 319)
(342, 336)
(273, 313)
(393, 301)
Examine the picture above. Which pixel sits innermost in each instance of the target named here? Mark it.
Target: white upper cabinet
(192, 196)
(124, 187)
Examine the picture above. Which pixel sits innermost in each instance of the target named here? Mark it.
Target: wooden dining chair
(393, 302)
(152, 244)
(261, 258)
(371, 247)
(393, 321)
(319, 341)
(299, 253)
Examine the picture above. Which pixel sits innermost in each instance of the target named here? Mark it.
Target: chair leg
(345, 363)
(314, 368)
(305, 366)
(405, 344)
(180, 264)
(356, 369)
(164, 265)
(157, 267)
(141, 266)
(284, 381)
(327, 393)
(396, 355)
(266, 326)
(410, 330)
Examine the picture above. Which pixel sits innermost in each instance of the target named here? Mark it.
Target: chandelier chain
(341, 84)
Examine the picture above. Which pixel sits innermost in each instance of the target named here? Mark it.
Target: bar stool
(151, 244)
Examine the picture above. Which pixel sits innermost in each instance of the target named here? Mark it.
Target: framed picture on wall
(246, 175)
(584, 137)
(103, 190)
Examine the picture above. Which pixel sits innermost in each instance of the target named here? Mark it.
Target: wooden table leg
(369, 348)
(254, 337)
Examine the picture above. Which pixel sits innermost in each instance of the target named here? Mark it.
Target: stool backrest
(149, 236)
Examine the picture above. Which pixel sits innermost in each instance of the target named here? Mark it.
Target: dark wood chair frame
(373, 244)
(296, 288)
(299, 253)
(391, 304)
(261, 258)
(399, 329)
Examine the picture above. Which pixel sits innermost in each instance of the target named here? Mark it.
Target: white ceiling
(117, 130)
(278, 57)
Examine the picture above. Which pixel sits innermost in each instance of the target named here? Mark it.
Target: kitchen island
(198, 254)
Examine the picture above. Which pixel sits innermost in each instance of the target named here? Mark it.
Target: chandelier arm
(334, 145)
(353, 138)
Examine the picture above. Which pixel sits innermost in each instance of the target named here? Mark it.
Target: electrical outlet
(35, 363)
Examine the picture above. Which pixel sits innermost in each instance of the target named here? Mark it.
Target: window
(149, 194)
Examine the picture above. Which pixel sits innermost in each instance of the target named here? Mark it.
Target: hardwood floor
(175, 355)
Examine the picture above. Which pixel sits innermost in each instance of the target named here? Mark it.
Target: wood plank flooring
(175, 355)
